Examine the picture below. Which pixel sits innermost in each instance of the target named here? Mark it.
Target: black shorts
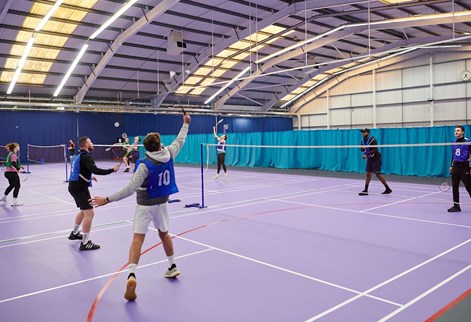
(81, 197)
(134, 156)
(373, 165)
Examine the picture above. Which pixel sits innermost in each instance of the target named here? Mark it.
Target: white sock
(132, 268)
(76, 229)
(15, 200)
(85, 238)
(171, 261)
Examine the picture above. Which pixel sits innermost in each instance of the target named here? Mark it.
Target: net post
(65, 161)
(27, 160)
(202, 182)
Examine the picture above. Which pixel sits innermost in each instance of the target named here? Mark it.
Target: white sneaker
(16, 203)
(172, 272)
(216, 176)
(3, 199)
(226, 175)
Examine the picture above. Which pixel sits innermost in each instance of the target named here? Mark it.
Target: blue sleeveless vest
(461, 152)
(161, 178)
(75, 169)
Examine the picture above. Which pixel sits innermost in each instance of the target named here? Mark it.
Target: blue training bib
(161, 178)
(461, 152)
(75, 169)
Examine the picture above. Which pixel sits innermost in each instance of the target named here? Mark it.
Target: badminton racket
(184, 113)
(445, 186)
(124, 135)
(219, 122)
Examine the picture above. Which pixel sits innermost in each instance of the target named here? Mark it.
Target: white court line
(288, 271)
(401, 201)
(93, 278)
(421, 296)
(245, 203)
(115, 225)
(371, 213)
(57, 199)
(392, 279)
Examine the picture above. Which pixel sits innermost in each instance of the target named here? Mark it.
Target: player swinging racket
(221, 149)
(373, 163)
(82, 168)
(154, 181)
(459, 168)
(13, 167)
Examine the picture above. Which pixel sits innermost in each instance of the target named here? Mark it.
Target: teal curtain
(410, 161)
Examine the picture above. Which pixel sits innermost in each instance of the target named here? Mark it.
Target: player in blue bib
(80, 179)
(373, 162)
(153, 181)
(459, 168)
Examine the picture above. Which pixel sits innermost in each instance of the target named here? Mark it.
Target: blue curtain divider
(409, 161)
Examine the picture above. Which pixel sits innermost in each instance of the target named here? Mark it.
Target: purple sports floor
(268, 247)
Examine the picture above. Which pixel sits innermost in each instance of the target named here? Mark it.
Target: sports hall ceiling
(260, 55)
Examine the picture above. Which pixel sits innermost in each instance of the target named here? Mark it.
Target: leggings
(221, 159)
(14, 181)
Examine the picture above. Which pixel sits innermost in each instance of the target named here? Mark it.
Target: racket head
(124, 135)
(444, 186)
(219, 122)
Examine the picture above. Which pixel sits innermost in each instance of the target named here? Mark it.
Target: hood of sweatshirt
(163, 155)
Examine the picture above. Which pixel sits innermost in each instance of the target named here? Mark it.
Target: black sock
(131, 275)
(366, 187)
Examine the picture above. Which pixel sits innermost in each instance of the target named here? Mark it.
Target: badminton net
(424, 160)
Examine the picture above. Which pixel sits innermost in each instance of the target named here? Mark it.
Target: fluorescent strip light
(113, 18)
(227, 85)
(71, 69)
(21, 64)
(49, 14)
(299, 44)
(374, 23)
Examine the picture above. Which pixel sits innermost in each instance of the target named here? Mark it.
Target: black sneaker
(77, 236)
(455, 208)
(89, 246)
(126, 170)
(363, 193)
(387, 191)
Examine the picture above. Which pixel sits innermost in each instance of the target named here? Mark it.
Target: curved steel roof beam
(117, 43)
(326, 68)
(341, 32)
(383, 63)
(205, 56)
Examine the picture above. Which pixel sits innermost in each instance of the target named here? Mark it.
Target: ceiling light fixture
(227, 85)
(48, 15)
(71, 69)
(113, 18)
(21, 64)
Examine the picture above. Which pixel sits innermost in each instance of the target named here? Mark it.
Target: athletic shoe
(16, 203)
(387, 191)
(216, 176)
(455, 208)
(172, 272)
(131, 284)
(225, 175)
(77, 236)
(3, 199)
(363, 193)
(89, 246)
(126, 170)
